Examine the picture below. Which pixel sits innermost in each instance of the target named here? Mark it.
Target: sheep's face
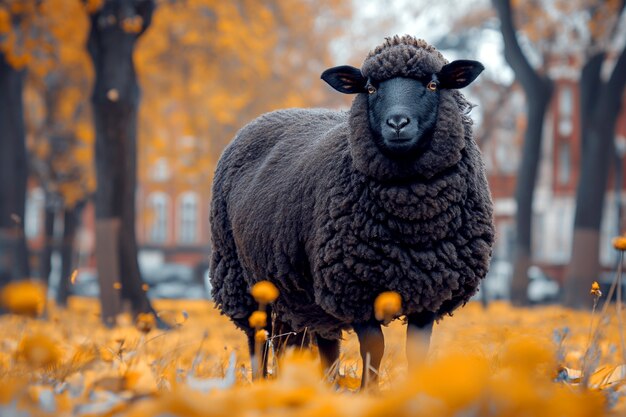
(402, 114)
(402, 111)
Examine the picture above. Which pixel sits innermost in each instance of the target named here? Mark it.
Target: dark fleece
(305, 199)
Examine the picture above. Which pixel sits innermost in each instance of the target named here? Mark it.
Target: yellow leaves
(206, 67)
(39, 351)
(172, 318)
(139, 378)
(5, 20)
(528, 354)
(10, 387)
(264, 292)
(18, 61)
(456, 380)
(84, 132)
(83, 355)
(192, 37)
(24, 297)
(494, 362)
(601, 19)
(93, 6)
(41, 149)
(225, 104)
(145, 322)
(69, 100)
(83, 155)
(107, 354)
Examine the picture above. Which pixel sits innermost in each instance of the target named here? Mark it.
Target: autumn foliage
(208, 67)
(205, 67)
(498, 361)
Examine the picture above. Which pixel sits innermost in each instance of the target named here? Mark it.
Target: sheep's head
(403, 84)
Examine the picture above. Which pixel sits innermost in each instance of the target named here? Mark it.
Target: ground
(494, 361)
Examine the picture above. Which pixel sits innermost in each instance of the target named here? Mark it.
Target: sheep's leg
(372, 346)
(329, 355)
(419, 330)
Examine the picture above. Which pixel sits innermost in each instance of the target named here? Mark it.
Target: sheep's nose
(397, 122)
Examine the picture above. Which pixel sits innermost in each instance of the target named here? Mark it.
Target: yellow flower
(595, 289)
(619, 242)
(258, 319)
(387, 305)
(260, 336)
(145, 322)
(264, 292)
(39, 350)
(24, 297)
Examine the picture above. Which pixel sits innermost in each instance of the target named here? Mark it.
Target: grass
(499, 361)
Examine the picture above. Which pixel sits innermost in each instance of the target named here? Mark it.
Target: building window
(34, 213)
(565, 168)
(566, 107)
(187, 218)
(158, 204)
(161, 170)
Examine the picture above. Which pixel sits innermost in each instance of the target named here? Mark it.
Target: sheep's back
(264, 192)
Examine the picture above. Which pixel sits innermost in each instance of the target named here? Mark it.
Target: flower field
(494, 361)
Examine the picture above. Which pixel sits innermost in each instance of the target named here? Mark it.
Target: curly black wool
(305, 199)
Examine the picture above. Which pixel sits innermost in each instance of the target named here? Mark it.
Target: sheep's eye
(371, 89)
(432, 86)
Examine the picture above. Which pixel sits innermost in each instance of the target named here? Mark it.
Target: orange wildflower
(619, 242)
(264, 292)
(595, 289)
(258, 319)
(387, 305)
(260, 336)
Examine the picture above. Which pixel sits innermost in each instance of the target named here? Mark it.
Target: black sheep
(336, 207)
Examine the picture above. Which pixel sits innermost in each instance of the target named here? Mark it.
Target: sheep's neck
(412, 213)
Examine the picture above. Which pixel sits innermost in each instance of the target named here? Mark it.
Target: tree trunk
(71, 221)
(13, 175)
(599, 120)
(45, 261)
(537, 102)
(538, 92)
(115, 102)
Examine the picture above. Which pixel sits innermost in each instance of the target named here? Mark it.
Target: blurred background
(113, 114)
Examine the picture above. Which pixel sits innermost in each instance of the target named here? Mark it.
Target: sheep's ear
(345, 79)
(459, 74)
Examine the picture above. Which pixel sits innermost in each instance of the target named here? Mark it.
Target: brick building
(172, 220)
(555, 193)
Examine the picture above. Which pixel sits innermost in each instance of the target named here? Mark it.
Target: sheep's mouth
(404, 146)
(399, 146)
(399, 139)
